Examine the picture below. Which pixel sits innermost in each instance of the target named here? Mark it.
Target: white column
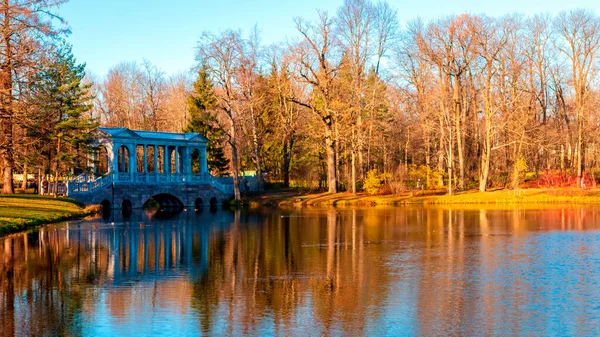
(177, 169)
(167, 159)
(114, 159)
(132, 162)
(145, 160)
(203, 160)
(145, 163)
(187, 161)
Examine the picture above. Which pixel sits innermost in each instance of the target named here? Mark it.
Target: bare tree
(223, 55)
(579, 31)
(318, 68)
(153, 89)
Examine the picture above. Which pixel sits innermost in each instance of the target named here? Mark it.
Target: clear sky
(106, 32)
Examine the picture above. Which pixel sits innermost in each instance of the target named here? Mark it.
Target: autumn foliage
(558, 179)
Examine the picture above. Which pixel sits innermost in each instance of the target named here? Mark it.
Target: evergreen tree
(203, 119)
(60, 125)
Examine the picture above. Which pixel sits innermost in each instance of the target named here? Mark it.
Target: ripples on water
(399, 271)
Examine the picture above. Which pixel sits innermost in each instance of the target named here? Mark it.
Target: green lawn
(19, 212)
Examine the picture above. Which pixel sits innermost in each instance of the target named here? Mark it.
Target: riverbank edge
(497, 197)
(23, 225)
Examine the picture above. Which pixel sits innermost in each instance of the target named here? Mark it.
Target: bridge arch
(106, 208)
(106, 205)
(213, 202)
(126, 208)
(198, 203)
(167, 200)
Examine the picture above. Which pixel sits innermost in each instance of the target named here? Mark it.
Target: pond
(376, 271)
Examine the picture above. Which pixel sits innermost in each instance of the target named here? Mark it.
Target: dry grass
(528, 196)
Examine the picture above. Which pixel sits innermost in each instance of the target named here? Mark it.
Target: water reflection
(401, 271)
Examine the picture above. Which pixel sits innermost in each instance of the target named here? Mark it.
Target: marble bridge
(130, 167)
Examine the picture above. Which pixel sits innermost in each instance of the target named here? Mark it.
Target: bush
(373, 181)
(558, 179)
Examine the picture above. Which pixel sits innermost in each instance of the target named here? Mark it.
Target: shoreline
(23, 212)
(471, 197)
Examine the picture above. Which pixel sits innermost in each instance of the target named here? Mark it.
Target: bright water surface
(394, 271)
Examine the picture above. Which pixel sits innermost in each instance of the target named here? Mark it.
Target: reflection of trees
(281, 268)
(48, 276)
(53, 276)
(304, 271)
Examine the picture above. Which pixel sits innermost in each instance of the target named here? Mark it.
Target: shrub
(519, 172)
(558, 179)
(373, 181)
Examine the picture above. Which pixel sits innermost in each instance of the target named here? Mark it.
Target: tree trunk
(235, 164)
(24, 183)
(580, 149)
(353, 155)
(406, 150)
(6, 112)
(427, 161)
(459, 143)
(450, 161)
(353, 171)
(257, 159)
(57, 168)
(485, 155)
(330, 147)
(288, 145)
(360, 141)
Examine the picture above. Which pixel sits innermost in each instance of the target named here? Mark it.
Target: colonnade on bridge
(137, 165)
(146, 157)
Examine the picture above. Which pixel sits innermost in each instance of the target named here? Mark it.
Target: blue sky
(106, 32)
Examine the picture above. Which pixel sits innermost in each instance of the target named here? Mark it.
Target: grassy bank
(20, 212)
(527, 196)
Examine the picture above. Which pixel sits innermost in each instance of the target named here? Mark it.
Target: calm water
(400, 271)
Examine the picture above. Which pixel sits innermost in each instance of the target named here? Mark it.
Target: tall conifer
(203, 119)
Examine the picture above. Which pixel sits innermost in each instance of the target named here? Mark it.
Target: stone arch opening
(166, 205)
(195, 161)
(123, 159)
(140, 158)
(160, 154)
(127, 204)
(126, 208)
(151, 158)
(106, 208)
(213, 201)
(101, 160)
(198, 203)
(172, 159)
(166, 200)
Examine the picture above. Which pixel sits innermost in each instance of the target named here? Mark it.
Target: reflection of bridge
(130, 167)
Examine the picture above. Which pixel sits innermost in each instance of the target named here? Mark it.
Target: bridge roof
(125, 133)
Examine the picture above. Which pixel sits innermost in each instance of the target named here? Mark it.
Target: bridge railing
(88, 184)
(78, 186)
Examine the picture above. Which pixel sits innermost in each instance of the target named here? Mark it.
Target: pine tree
(203, 120)
(60, 123)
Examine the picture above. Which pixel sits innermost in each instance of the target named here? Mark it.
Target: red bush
(556, 179)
